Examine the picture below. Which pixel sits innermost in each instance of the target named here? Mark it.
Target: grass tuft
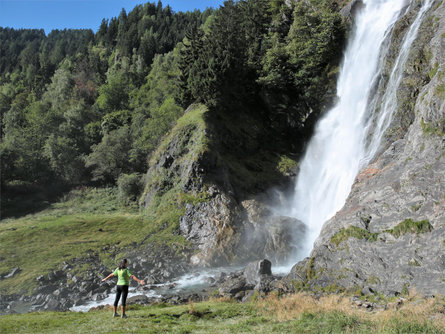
(353, 231)
(411, 226)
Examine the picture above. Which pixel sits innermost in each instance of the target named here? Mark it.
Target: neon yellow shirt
(123, 276)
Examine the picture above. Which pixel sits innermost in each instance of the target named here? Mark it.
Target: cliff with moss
(390, 235)
(209, 182)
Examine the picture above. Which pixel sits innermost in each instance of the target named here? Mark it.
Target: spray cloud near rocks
(349, 135)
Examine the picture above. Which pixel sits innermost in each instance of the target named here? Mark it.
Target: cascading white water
(389, 100)
(340, 147)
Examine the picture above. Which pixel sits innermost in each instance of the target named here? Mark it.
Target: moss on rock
(355, 232)
(411, 226)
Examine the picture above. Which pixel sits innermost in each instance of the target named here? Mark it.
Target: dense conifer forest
(85, 108)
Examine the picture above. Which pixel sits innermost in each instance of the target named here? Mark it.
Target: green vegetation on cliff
(165, 196)
(411, 226)
(354, 232)
(406, 226)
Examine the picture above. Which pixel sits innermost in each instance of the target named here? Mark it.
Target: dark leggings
(121, 289)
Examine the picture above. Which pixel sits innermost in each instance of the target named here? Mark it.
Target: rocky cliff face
(221, 194)
(390, 235)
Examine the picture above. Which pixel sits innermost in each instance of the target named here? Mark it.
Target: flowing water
(193, 282)
(342, 143)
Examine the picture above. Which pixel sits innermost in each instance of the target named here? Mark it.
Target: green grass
(286, 164)
(411, 226)
(88, 221)
(440, 91)
(93, 221)
(355, 232)
(407, 226)
(21, 198)
(40, 244)
(91, 200)
(205, 317)
(429, 129)
(433, 71)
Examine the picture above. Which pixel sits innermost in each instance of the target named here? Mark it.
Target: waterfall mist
(348, 136)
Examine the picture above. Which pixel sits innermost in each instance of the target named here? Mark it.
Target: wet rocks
(231, 286)
(270, 236)
(351, 9)
(139, 299)
(255, 271)
(63, 288)
(213, 227)
(228, 233)
(241, 285)
(223, 223)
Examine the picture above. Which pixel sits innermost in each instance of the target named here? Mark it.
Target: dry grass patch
(412, 310)
(416, 308)
(292, 307)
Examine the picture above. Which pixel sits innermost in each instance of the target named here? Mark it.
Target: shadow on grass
(18, 200)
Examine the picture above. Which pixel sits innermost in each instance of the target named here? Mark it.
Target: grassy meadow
(86, 221)
(298, 313)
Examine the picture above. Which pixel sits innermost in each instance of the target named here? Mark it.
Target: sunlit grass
(88, 222)
(298, 313)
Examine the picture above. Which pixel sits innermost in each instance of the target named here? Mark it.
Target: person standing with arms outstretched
(123, 282)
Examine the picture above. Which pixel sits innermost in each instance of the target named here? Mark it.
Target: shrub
(129, 187)
(111, 157)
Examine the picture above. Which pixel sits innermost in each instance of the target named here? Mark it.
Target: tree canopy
(80, 107)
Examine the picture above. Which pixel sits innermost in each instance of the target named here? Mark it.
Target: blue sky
(78, 14)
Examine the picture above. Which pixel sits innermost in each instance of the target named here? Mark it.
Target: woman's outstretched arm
(137, 280)
(109, 276)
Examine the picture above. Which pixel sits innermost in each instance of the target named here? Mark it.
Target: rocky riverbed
(55, 294)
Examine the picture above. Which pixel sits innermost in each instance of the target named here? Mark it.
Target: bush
(129, 187)
(111, 157)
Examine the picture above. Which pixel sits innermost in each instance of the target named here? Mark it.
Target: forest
(79, 107)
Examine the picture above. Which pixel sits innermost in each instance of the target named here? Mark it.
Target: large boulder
(257, 270)
(232, 285)
(214, 227)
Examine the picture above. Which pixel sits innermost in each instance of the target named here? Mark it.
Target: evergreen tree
(108, 98)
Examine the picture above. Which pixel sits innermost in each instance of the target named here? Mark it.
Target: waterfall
(341, 144)
(389, 100)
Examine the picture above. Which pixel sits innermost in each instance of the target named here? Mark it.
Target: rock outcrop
(226, 218)
(390, 235)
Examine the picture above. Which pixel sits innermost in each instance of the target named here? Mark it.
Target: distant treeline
(79, 107)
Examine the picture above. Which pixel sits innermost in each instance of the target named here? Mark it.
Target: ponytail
(123, 264)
